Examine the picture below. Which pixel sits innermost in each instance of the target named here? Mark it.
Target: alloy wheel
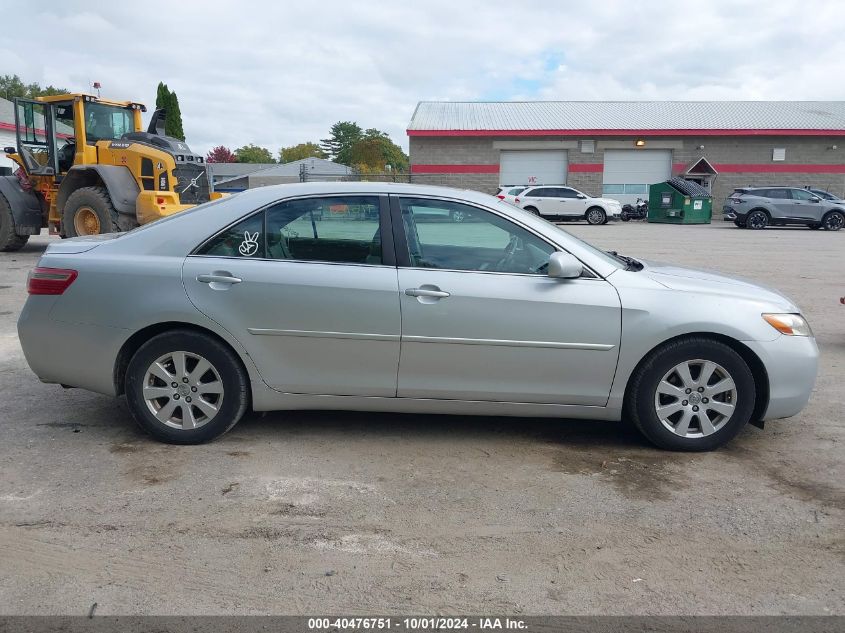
(183, 390)
(834, 221)
(695, 398)
(757, 220)
(596, 216)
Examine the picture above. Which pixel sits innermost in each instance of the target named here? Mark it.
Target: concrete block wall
(751, 150)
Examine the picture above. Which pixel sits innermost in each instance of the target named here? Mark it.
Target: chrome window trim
(264, 208)
(506, 218)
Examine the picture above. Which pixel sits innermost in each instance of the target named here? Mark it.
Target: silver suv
(759, 207)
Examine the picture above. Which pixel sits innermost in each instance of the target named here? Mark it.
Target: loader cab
(57, 132)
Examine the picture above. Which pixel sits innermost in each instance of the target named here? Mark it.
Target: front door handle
(218, 278)
(427, 292)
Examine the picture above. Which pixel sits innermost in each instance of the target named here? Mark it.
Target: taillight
(516, 199)
(50, 281)
(500, 197)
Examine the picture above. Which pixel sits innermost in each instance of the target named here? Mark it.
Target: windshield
(105, 122)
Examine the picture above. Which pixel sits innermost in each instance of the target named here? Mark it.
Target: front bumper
(791, 363)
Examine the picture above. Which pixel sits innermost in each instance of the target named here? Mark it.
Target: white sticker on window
(249, 246)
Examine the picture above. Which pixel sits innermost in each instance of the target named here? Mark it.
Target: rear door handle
(218, 278)
(426, 292)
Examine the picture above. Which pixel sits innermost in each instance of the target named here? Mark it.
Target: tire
(9, 240)
(757, 220)
(739, 224)
(833, 220)
(596, 216)
(624, 216)
(89, 211)
(222, 390)
(659, 370)
(533, 210)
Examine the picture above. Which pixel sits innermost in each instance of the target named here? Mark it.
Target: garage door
(530, 167)
(629, 172)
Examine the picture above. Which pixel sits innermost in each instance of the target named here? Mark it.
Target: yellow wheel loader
(87, 167)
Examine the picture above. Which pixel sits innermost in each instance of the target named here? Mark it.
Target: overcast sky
(280, 73)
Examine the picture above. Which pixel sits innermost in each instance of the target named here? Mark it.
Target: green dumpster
(679, 201)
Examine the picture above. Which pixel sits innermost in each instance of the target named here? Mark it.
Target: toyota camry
(405, 298)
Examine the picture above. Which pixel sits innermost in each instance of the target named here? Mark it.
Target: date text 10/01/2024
(412, 624)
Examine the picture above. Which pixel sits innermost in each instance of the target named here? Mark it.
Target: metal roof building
(280, 173)
(619, 148)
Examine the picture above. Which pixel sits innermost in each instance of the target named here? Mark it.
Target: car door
(309, 288)
(806, 205)
(571, 204)
(482, 321)
(781, 202)
(540, 199)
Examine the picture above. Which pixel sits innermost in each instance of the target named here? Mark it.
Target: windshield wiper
(630, 262)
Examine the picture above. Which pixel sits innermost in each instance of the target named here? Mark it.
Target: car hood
(709, 282)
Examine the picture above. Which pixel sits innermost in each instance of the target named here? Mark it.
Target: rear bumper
(792, 365)
(68, 353)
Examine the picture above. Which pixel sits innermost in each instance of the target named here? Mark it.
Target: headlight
(789, 324)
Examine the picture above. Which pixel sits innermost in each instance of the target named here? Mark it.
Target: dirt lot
(360, 514)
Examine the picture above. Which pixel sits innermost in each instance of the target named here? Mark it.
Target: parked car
(245, 303)
(557, 202)
(759, 207)
(502, 192)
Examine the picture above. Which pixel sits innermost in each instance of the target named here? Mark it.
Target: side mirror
(814, 199)
(564, 266)
(581, 196)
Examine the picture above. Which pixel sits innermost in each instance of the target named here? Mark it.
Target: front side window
(105, 122)
(803, 194)
(342, 229)
(469, 238)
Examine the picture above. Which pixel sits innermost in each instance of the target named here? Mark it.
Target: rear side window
(539, 192)
(779, 194)
(343, 229)
(244, 239)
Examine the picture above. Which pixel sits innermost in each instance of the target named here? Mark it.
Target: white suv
(565, 203)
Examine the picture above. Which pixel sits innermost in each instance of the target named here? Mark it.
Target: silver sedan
(375, 297)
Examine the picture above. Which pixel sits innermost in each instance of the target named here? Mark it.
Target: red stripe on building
(454, 169)
(777, 168)
(641, 133)
(586, 168)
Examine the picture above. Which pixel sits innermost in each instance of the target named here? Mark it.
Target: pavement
(356, 513)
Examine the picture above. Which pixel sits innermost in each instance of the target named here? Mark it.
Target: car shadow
(351, 424)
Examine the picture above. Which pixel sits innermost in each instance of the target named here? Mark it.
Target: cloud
(278, 73)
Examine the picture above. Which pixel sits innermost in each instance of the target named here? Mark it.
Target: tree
(253, 154)
(344, 134)
(298, 152)
(374, 151)
(221, 154)
(170, 102)
(12, 86)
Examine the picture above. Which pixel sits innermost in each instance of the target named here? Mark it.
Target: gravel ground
(350, 513)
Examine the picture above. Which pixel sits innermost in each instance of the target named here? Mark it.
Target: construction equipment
(87, 167)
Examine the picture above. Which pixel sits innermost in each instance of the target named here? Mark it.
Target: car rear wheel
(185, 387)
(596, 216)
(757, 220)
(694, 394)
(833, 221)
(533, 210)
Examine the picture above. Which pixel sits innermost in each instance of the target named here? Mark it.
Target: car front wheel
(694, 394)
(184, 387)
(833, 221)
(596, 216)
